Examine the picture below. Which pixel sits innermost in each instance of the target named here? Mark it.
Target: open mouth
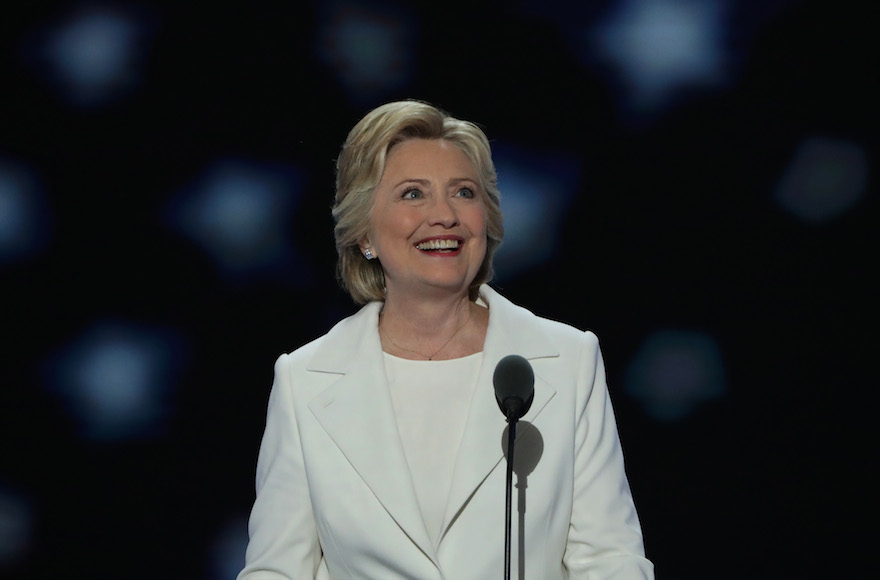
(440, 246)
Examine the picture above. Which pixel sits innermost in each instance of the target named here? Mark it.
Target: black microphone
(514, 382)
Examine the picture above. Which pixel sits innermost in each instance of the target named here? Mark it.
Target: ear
(364, 243)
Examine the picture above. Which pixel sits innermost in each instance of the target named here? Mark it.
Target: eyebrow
(421, 181)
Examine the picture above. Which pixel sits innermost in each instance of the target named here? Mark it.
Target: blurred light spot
(23, 214)
(675, 371)
(536, 191)
(240, 214)
(16, 527)
(227, 551)
(661, 46)
(116, 379)
(94, 55)
(826, 178)
(369, 48)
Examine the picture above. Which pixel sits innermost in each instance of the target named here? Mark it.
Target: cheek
(392, 228)
(481, 222)
(479, 226)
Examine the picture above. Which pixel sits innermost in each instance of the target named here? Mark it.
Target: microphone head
(514, 382)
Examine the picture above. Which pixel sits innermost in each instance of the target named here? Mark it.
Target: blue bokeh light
(228, 549)
(94, 55)
(537, 189)
(117, 379)
(16, 527)
(826, 178)
(240, 214)
(24, 217)
(368, 47)
(659, 47)
(674, 372)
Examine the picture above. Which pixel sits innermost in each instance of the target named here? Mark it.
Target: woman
(382, 455)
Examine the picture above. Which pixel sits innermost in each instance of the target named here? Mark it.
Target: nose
(442, 212)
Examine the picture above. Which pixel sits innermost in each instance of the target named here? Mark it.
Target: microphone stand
(511, 436)
(514, 382)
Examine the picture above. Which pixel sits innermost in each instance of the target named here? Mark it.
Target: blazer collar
(357, 413)
(351, 338)
(359, 334)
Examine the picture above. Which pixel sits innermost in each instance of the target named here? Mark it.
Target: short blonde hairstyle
(359, 170)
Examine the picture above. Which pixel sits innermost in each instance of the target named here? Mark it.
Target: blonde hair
(359, 170)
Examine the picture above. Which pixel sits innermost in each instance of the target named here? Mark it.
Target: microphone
(514, 382)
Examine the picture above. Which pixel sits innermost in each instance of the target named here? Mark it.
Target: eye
(412, 193)
(466, 192)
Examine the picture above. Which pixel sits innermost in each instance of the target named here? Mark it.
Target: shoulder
(565, 331)
(333, 351)
(521, 320)
(578, 349)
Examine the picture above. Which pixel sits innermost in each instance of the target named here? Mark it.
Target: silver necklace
(436, 352)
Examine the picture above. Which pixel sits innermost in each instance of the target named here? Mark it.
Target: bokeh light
(228, 548)
(826, 178)
(16, 527)
(659, 47)
(117, 379)
(93, 55)
(367, 46)
(24, 215)
(537, 189)
(674, 372)
(240, 214)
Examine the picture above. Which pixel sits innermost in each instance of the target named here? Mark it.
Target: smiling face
(428, 225)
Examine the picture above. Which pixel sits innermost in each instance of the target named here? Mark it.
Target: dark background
(673, 225)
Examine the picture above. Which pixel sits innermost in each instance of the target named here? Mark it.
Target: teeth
(438, 245)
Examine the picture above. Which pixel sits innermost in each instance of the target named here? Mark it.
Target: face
(428, 225)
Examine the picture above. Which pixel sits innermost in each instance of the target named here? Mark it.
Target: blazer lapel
(481, 445)
(357, 413)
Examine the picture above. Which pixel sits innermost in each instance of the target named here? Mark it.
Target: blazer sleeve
(283, 535)
(605, 538)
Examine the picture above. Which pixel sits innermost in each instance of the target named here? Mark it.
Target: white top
(431, 401)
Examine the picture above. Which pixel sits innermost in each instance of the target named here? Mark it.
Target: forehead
(427, 156)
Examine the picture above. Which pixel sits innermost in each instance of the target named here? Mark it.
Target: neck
(425, 315)
(440, 328)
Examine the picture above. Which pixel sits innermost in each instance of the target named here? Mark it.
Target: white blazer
(335, 499)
